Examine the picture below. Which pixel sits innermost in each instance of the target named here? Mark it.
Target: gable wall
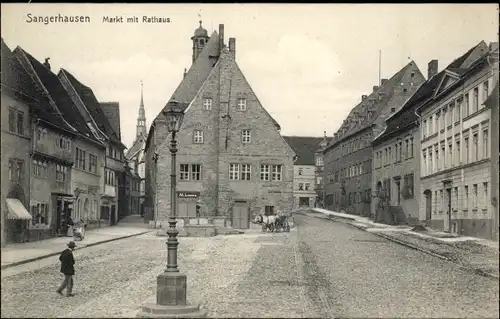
(217, 192)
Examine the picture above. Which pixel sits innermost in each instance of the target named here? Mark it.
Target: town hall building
(232, 160)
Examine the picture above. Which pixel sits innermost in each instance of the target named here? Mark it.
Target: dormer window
(207, 104)
(242, 104)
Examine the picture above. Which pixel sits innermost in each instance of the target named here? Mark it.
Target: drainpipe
(30, 164)
(494, 159)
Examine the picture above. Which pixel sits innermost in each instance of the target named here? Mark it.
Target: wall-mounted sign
(188, 194)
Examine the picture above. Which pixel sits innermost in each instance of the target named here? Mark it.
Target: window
(20, 123)
(40, 213)
(80, 158)
(92, 163)
(15, 170)
(475, 100)
(456, 198)
(474, 196)
(449, 158)
(485, 199)
(110, 178)
(431, 125)
(246, 172)
(277, 172)
(12, 120)
(466, 150)
(36, 168)
(61, 173)
(246, 136)
(234, 171)
(486, 146)
(466, 198)
(441, 203)
(443, 155)
(198, 136)
(411, 147)
(184, 172)
(207, 104)
(301, 186)
(466, 105)
(436, 151)
(264, 172)
(319, 161)
(475, 148)
(431, 164)
(485, 91)
(307, 186)
(424, 129)
(301, 170)
(458, 106)
(242, 104)
(425, 168)
(457, 152)
(195, 172)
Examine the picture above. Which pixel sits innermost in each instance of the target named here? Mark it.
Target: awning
(16, 209)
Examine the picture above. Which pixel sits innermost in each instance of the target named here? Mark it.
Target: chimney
(221, 38)
(185, 72)
(363, 97)
(383, 81)
(493, 46)
(375, 88)
(432, 69)
(232, 47)
(46, 63)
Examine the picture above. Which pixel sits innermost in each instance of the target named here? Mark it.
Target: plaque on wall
(188, 194)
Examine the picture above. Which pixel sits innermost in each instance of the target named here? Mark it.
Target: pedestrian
(67, 269)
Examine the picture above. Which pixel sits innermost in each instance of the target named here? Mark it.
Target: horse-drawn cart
(274, 223)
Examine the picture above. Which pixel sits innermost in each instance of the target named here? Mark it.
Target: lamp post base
(159, 311)
(171, 299)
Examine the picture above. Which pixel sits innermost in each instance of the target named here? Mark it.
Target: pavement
(18, 254)
(355, 274)
(317, 270)
(471, 253)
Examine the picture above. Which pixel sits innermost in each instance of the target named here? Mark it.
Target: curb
(425, 251)
(25, 261)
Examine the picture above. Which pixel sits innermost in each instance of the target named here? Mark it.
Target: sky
(309, 64)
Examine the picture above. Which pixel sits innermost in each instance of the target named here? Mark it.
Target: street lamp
(171, 284)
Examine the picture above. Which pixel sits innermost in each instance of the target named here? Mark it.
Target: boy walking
(67, 269)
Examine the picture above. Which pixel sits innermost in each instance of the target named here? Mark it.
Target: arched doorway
(428, 206)
(15, 228)
(17, 192)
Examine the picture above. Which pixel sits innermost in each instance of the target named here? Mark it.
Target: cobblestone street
(320, 269)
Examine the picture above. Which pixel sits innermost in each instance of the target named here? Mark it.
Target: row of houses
(62, 154)
(425, 151)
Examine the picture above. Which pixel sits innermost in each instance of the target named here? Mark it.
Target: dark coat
(67, 262)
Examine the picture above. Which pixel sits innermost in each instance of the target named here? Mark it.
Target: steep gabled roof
(197, 74)
(112, 112)
(68, 109)
(304, 147)
(88, 98)
(16, 79)
(387, 89)
(406, 114)
(138, 145)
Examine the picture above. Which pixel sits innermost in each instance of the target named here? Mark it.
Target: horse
(267, 222)
(282, 221)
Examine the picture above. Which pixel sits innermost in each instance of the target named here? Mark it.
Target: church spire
(141, 119)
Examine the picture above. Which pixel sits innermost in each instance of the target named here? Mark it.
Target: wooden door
(240, 216)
